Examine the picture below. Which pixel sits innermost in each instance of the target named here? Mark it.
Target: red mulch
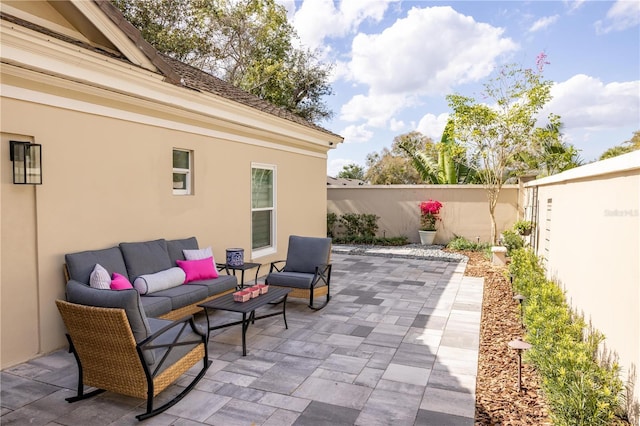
(498, 401)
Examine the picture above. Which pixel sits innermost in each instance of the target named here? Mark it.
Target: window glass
(182, 172)
(263, 189)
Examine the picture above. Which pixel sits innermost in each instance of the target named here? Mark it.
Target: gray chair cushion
(81, 264)
(290, 279)
(155, 306)
(168, 337)
(183, 295)
(217, 285)
(305, 253)
(146, 257)
(175, 247)
(129, 300)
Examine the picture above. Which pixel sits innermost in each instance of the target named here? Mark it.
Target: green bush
(376, 241)
(332, 220)
(581, 388)
(359, 225)
(461, 243)
(512, 241)
(523, 227)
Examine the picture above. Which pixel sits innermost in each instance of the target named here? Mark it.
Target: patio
(397, 344)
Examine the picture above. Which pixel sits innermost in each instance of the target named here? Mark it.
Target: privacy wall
(465, 209)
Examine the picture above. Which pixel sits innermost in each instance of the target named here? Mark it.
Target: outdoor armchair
(119, 350)
(307, 269)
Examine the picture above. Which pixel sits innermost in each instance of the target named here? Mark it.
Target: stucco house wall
(108, 127)
(589, 237)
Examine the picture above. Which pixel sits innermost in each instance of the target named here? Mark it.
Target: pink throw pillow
(201, 269)
(119, 282)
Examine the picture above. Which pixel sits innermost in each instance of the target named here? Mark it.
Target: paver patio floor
(397, 345)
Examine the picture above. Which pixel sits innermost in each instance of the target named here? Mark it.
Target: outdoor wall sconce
(27, 162)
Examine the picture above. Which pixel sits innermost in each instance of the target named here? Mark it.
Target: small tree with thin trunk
(497, 131)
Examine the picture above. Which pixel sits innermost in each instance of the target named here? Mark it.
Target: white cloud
(356, 134)
(585, 102)
(396, 125)
(316, 20)
(433, 126)
(624, 14)
(428, 52)
(574, 5)
(376, 110)
(543, 23)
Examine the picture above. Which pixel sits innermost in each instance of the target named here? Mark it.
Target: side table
(244, 267)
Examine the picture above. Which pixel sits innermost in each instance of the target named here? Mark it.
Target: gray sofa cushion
(305, 253)
(175, 247)
(129, 300)
(81, 264)
(155, 306)
(217, 285)
(146, 257)
(183, 295)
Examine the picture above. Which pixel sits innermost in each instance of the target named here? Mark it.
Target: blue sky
(395, 61)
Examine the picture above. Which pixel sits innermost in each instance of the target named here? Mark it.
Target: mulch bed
(498, 400)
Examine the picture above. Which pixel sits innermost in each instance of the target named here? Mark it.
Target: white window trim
(266, 251)
(187, 172)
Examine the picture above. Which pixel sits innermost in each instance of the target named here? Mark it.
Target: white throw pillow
(100, 278)
(150, 283)
(198, 254)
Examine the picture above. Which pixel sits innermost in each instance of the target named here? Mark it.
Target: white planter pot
(427, 237)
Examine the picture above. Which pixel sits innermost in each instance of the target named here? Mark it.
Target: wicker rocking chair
(307, 269)
(109, 358)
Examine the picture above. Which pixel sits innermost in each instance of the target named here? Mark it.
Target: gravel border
(409, 251)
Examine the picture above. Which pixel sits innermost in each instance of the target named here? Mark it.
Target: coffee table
(247, 309)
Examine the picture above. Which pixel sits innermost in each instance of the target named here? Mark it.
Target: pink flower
(429, 214)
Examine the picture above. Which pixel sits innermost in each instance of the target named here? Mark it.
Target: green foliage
(512, 241)
(499, 127)
(461, 243)
(248, 43)
(523, 227)
(581, 387)
(394, 166)
(351, 171)
(632, 144)
(445, 166)
(332, 220)
(359, 225)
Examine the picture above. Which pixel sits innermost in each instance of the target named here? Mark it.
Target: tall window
(263, 211)
(181, 172)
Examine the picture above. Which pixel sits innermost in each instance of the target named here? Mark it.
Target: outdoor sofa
(154, 268)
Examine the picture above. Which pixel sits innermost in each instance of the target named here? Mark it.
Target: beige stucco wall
(107, 180)
(589, 235)
(465, 211)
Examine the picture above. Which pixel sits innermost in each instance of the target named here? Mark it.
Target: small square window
(182, 165)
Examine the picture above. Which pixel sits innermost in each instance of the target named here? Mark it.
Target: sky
(395, 61)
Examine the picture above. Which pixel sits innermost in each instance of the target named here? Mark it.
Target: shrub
(461, 243)
(332, 219)
(523, 227)
(581, 387)
(512, 241)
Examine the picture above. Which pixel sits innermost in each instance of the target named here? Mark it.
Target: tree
(632, 144)
(494, 136)
(551, 154)
(351, 171)
(248, 43)
(394, 167)
(447, 166)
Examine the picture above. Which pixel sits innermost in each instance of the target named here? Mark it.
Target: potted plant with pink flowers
(429, 216)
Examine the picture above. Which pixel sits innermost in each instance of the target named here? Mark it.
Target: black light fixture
(27, 162)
